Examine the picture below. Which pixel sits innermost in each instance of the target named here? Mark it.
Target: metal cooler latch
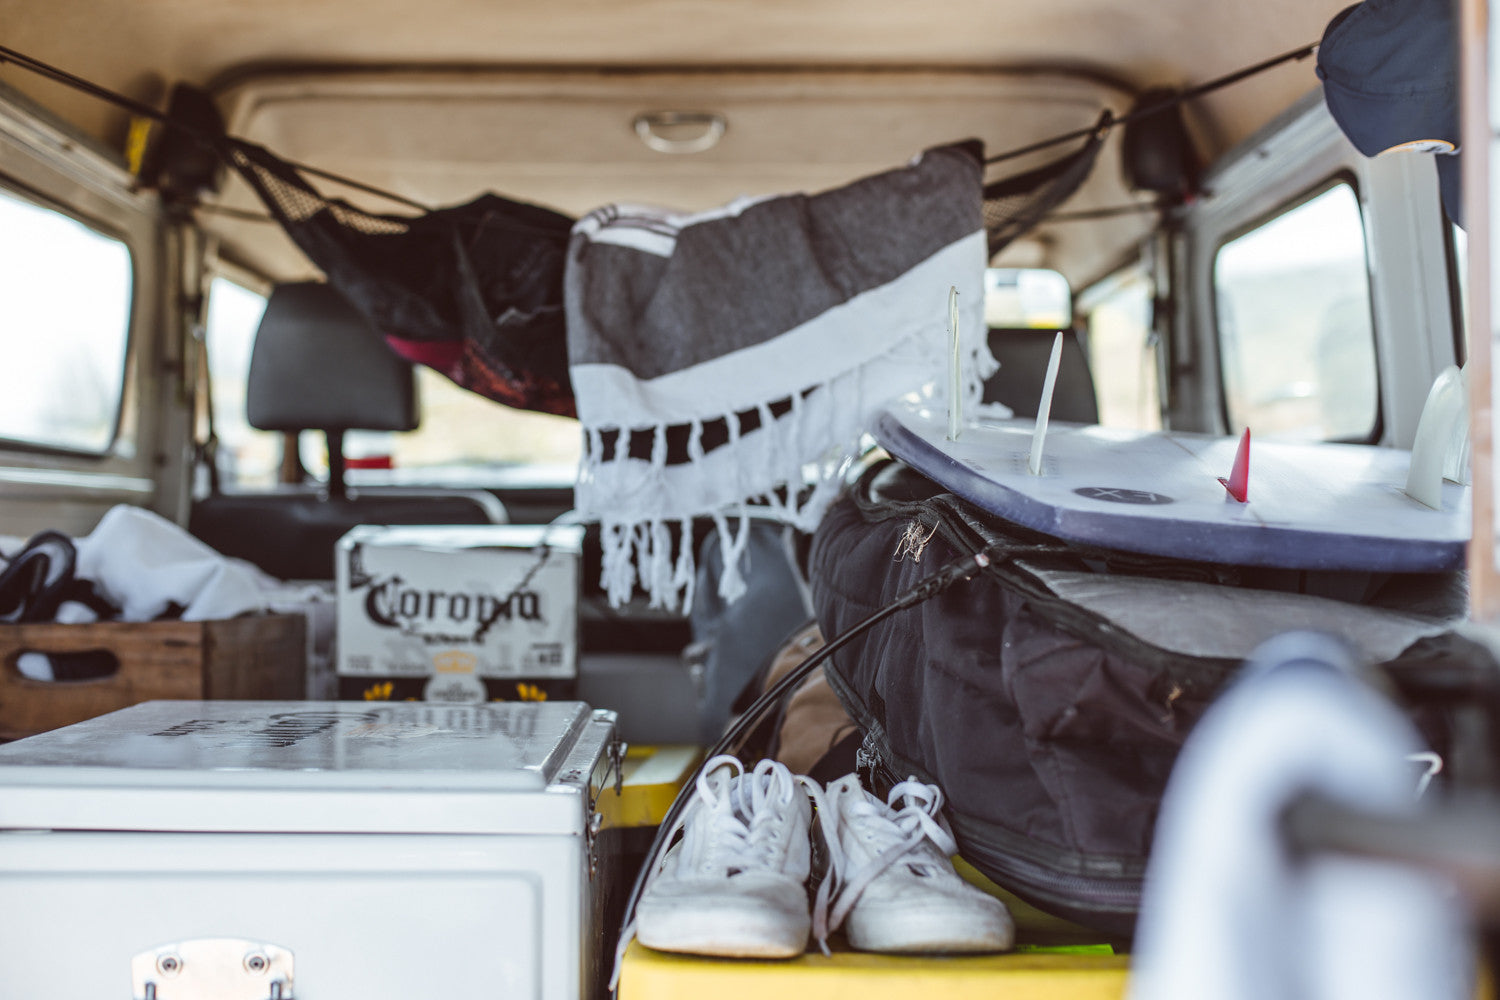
(617, 749)
(213, 969)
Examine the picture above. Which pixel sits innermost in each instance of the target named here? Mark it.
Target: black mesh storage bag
(473, 291)
(1013, 205)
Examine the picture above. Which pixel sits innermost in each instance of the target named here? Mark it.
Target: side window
(1296, 337)
(1026, 298)
(463, 430)
(1122, 351)
(65, 296)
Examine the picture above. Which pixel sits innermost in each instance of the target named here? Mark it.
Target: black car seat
(1023, 356)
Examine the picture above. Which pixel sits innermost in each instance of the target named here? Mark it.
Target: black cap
(1390, 79)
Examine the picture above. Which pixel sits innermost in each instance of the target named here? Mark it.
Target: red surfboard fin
(1238, 483)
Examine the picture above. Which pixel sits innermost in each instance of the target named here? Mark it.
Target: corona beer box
(328, 850)
(458, 613)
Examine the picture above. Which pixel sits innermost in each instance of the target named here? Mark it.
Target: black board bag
(1049, 696)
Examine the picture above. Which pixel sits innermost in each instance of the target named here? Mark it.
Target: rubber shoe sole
(737, 931)
(944, 929)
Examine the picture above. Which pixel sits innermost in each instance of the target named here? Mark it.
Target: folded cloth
(1230, 912)
(146, 566)
(737, 355)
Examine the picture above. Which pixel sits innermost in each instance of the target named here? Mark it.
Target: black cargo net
(473, 291)
(1014, 205)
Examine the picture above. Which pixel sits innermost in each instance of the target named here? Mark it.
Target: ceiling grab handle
(680, 132)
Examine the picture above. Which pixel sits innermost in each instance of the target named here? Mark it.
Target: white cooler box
(307, 850)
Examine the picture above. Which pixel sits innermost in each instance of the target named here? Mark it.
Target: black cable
(1161, 105)
(232, 213)
(964, 568)
(79, 83)
(1110, 212)
(328, 175)
(136, 107)
(146, 111)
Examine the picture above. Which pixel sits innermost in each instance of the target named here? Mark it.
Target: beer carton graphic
(458, 613)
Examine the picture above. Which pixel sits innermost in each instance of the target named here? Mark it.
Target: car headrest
(317, 364)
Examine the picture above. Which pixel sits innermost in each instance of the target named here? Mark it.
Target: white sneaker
(735, 884)
(892, 885)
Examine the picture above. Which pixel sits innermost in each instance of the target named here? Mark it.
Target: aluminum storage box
(348, 850)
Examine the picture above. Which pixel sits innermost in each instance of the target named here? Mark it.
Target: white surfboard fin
(1044, 408)
(1440, 449)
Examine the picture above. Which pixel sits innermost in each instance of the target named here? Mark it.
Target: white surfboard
(1309, 506)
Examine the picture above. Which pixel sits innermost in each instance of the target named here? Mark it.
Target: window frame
(1342, 177)
(1456, 286)
(24, 193)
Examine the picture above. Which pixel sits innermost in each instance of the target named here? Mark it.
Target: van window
(463, 430)
(65, 295)
(461, 439)
(1026, 298)
(1296, 337)
(1122, 351)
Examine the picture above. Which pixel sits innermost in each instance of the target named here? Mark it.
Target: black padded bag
(1050, 728)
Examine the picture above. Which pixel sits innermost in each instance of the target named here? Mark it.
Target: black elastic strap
(146, 111)
(1162, 105)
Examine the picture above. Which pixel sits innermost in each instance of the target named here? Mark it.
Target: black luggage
(1049, 696)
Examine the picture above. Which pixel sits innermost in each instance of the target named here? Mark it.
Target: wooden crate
(253, 657)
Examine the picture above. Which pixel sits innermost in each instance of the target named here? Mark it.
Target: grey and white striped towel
(726, 363)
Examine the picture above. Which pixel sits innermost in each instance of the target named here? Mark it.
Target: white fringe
(636, 501)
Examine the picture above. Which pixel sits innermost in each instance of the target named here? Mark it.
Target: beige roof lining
(563, 138)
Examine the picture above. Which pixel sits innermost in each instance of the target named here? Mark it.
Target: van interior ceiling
(541, 105)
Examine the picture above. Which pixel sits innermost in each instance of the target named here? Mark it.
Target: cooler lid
(259, 766)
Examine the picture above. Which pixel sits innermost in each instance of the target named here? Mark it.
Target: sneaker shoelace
(746, 815)
(894, 831)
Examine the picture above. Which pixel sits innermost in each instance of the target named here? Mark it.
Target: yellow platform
(654, 975)
(1053, 960)
(651, 778)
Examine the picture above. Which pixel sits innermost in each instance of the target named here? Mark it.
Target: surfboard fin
(1238, 483)
(1044, 407)
(1442, 436)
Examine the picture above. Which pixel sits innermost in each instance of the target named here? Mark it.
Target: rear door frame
(148, 463)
